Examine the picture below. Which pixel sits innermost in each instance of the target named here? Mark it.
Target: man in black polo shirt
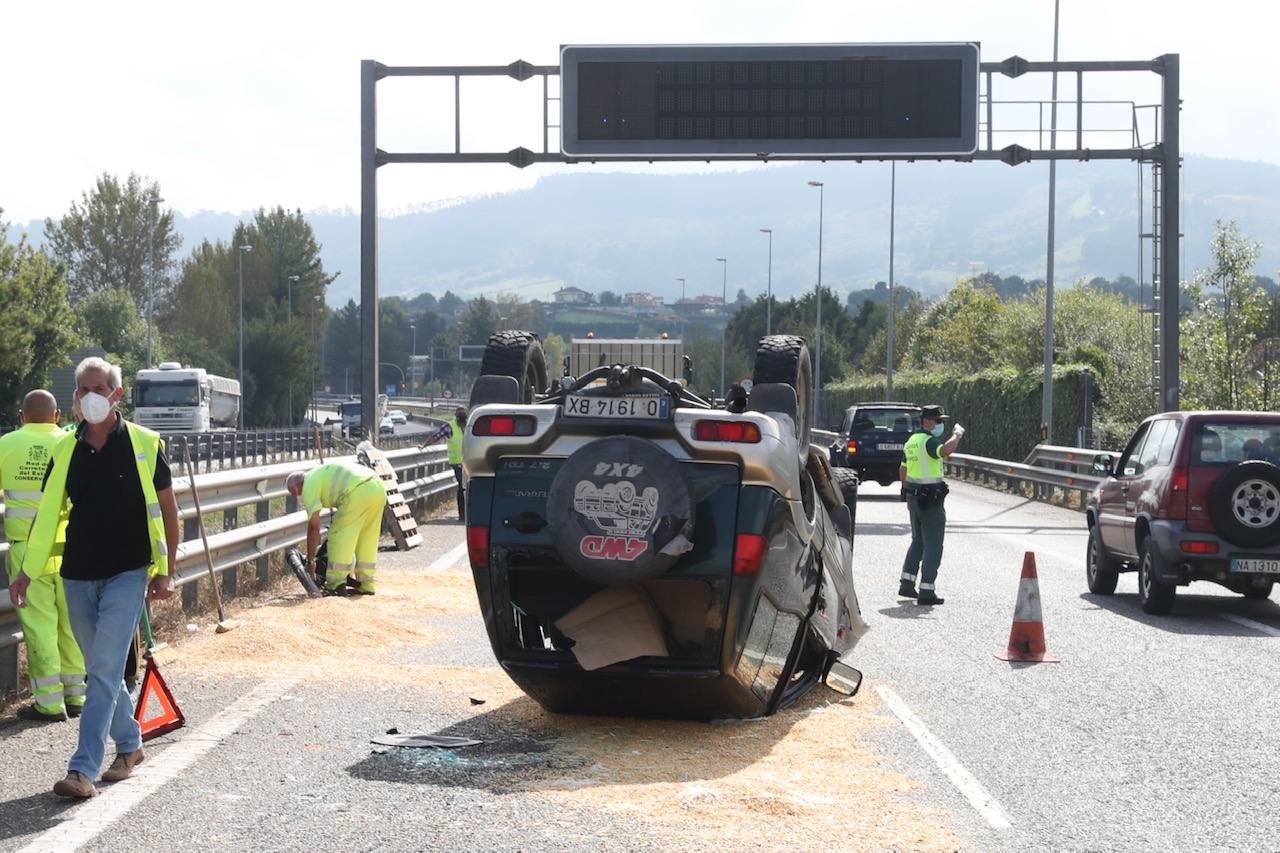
(122, 537)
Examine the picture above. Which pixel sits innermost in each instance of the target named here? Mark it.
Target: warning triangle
(155, 696)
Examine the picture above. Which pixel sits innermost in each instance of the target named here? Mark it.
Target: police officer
(925, 492)
(54, 663)
(452, 434)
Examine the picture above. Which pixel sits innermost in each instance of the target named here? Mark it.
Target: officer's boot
(928, 598)
(907, 588)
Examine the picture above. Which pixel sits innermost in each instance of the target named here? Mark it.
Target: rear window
(888, 420)
(1229, 443)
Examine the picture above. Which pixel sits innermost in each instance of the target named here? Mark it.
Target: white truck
(173, 398)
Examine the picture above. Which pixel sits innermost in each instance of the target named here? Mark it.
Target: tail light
(740, 432)
(504, 425)
(853, 445)
(1179, 482)
(478, 547)
(748, 554)
(1198, 546)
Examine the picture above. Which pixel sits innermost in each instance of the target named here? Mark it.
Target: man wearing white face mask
(925, 493)
(122, 537)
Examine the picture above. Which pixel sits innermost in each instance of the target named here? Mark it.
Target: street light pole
(724, 305)
(1046, 407)
(893, 304)
(289, 318)
(768, 299)
(681, 288)
(413, 347)
(817, 337)
(243, 250)
(151, 278)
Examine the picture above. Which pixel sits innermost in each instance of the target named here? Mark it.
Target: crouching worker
(358, 496)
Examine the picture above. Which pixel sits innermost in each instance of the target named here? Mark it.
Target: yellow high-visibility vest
(454, 442)
(146, 452)
(921, 467)
(24, 458)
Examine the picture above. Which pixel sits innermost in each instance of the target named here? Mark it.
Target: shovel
(224, 624)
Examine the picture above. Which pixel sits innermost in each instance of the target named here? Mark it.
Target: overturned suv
(637, 551)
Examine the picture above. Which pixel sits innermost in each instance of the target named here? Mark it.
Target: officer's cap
(934, 413)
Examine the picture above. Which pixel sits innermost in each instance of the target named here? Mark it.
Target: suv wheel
(1259, 593)
(1155, 595)
(520, 356)
(847, 482)
(1245, 504)
(1102, 571)
(785, 359)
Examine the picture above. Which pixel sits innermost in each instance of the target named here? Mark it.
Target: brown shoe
(75, 785)
(122, 767)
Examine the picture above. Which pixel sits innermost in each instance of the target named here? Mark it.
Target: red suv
(1194, 496)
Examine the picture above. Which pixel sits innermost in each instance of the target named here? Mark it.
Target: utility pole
(240, 255)
(893, 302)
(817, 336)
(1046, 406)
(289, 318)
(150, 272)
(768, 299)
(724, 306)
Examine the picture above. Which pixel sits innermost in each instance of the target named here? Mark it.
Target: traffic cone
(1026, 637)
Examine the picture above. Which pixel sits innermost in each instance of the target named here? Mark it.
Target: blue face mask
(936, 431)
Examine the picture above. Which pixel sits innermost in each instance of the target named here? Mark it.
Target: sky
(235, 105)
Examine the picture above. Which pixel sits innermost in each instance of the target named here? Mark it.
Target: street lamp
(893, 304)
(768, 300)
(243, 250)
(413, 348)
(289, 317)
(817, 337)
(724, 305)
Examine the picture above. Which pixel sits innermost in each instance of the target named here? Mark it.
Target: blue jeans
(104, 614)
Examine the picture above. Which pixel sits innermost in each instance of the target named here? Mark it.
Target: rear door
(1113, 496)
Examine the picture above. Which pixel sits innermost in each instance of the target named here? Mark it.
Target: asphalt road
(1151, 734)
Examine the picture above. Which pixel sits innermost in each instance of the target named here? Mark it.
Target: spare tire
(785, 359)
(620, 510)
(520, 356)
(1244, 504)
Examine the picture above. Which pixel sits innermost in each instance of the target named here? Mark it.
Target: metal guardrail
(421, 474)
(231, 449)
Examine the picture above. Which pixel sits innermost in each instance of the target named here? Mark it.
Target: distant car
(387, 426)
(398, 417)
(871, 439)
(1194, 496)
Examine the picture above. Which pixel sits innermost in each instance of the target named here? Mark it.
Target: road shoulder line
(88, 820)
(1252, 624)
(448, 560)
(964, 781)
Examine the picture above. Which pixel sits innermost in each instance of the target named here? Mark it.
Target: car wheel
(785, 359)
(1102, 571)
(1155, 595)
(847, 482)
(1244, 504)
(1259, 593)
(520, 356)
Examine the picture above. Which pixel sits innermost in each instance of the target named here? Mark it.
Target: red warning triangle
(155, 692)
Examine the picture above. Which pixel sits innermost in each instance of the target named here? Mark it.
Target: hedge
(1000, 409)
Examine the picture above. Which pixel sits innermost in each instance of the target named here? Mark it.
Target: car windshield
(1229, 443)
(168, 393)
(888, 420)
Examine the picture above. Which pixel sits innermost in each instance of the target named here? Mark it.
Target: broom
(224, 624)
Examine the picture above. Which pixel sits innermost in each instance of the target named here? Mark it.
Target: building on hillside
(703, 304)
(571, 296)
(642, 301)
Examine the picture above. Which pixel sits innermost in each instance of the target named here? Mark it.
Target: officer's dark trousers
(462, 493)
(925, 554)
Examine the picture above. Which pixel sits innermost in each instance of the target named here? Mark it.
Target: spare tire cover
(620, 510)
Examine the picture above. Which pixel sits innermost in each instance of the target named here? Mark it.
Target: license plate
(1258, 565)
(653, 408)
(888, 447)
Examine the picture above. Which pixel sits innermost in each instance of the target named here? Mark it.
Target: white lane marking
(1249, 623)
(86, 822)
(448, 560)
(951, 767)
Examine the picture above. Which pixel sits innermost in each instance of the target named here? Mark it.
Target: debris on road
(424, 741)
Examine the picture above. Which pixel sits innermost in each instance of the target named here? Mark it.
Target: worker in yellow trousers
(54, 663)
(359, 496)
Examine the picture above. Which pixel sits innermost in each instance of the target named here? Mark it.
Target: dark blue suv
(871, 439)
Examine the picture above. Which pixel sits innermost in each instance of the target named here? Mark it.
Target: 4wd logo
(612, 547)
(617, 469)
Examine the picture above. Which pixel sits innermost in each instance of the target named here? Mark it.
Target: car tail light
(504, 425)
(853, 445)
(1179, 482)
(748, 554)
(740, 432)
(1198, 546)
(478, 547)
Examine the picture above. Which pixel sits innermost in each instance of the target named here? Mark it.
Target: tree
(450, 303)
(609, 299)
(960, 331)
(117, 236)
(342, 349)
(36, 324)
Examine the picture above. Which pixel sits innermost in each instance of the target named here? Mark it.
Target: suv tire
(785, 359)
(1102, 571)
(1244, 504)
(1155, 595)
(1259, 593)
(846, 480)
(520, 356)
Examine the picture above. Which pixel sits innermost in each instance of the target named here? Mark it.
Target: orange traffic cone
(1026, 638)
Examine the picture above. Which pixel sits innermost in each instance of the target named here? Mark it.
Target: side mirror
(1102, 465)
(843, 678)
